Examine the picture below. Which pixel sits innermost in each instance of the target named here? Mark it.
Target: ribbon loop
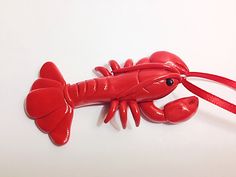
(209, 96)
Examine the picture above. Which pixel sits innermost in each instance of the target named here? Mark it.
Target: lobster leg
(104, 71)
(173, 112)
(114, 65)
(135, 112)
(123, 113)
(112, 110)
(128, 63)
(123, 106)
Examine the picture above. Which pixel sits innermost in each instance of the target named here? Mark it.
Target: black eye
(169, 82)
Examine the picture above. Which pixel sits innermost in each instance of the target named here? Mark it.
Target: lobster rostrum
(51, 101)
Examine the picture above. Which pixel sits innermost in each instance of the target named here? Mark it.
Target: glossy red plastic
(51, 100)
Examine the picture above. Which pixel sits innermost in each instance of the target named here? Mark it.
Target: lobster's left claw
(181, 109)
(174, 112)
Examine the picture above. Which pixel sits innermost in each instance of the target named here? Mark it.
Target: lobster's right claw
(181, 109)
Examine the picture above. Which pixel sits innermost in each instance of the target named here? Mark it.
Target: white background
(81, 34)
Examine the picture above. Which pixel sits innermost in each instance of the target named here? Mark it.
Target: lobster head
(183, 108)
(159, 75)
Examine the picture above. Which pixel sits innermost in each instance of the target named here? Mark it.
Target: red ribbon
(209, 96)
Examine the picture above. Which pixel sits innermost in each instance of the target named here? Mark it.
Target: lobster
(51, 101)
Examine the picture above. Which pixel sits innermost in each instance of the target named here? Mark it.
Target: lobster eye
(169, 82)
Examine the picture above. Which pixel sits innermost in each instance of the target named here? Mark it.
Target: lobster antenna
(146, 66)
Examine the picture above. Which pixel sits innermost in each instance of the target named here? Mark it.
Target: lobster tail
(47, 105)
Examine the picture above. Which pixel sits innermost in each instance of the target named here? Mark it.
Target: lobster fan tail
(46, 104)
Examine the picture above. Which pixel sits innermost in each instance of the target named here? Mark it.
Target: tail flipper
(46, 104)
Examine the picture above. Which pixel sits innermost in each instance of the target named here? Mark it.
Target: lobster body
(51, 100)
(100, 90)
(105, 89)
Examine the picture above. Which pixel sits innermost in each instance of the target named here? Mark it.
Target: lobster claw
(170, 59)
(181, 109)
(174, 112)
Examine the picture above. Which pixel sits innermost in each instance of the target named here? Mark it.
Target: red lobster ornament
(51, 101)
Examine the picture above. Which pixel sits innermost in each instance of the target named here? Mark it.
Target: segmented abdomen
(100, 90)
(90, 91)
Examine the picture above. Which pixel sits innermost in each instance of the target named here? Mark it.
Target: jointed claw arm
(173, 112)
